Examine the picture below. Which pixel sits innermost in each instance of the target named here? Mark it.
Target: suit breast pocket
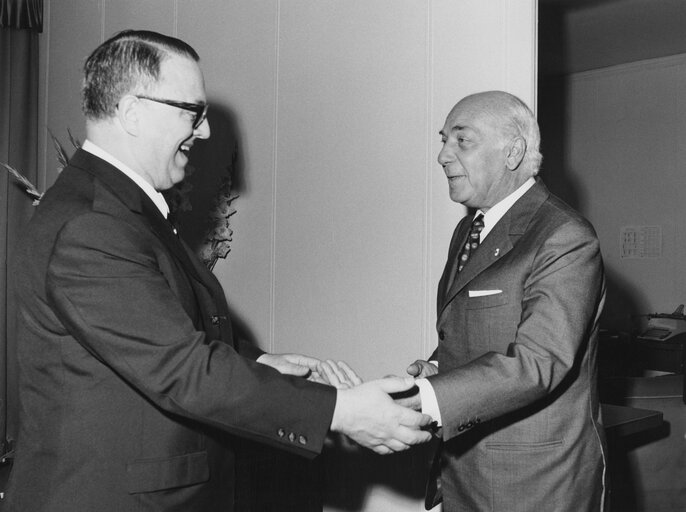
(487, 301)
(490, 326)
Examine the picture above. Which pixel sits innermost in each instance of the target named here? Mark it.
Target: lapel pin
(497, 252)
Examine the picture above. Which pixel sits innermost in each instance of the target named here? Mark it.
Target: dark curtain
(22, 14)
(18, 148)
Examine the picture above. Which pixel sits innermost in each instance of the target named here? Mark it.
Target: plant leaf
(28, 187)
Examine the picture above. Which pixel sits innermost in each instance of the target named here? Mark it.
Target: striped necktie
(472, 242)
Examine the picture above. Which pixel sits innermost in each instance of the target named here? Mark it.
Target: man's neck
(494, 214)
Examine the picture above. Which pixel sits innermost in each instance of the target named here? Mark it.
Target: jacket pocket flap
(157, 474)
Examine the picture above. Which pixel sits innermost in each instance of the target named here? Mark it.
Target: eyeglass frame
(199, 109)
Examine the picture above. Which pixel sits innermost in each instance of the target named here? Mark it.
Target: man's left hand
(337, 374)
(291, 364)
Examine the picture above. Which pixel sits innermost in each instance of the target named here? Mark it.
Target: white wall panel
(350, 180)
(157, 15)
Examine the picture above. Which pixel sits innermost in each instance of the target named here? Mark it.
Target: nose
(203, 130)
(445, 156)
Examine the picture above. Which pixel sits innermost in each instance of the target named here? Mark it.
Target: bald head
(513, 118)
(490, 148)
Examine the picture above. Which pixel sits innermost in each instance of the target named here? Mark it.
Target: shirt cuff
(429, 401)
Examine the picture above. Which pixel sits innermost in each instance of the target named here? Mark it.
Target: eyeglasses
(199, 109)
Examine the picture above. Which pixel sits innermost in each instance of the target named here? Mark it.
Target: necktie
(472, 242)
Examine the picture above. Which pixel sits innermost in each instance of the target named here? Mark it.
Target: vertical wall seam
(102, 20)
(176, 18)
(428, 186)
(534, 58)
(275, 140)
(5, 299)
(512, 63)
(42, 156)
(506, 47)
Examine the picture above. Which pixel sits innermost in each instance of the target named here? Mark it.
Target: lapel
(501, 239)
(138, 202)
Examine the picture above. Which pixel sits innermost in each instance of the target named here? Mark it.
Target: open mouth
(185, 149)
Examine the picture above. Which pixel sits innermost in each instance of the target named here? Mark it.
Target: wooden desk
(623, 421)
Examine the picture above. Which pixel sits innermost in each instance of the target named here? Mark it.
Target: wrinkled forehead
(472, 113)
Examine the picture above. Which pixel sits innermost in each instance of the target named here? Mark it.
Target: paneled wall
(625, 152)
(334, 108)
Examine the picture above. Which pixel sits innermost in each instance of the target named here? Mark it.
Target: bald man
(513, 380)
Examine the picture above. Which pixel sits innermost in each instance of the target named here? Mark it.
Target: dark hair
(127, 62)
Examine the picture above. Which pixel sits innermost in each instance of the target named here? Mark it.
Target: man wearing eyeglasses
(133, 389)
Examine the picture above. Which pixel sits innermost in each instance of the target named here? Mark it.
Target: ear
(128, 114)
(516, 153)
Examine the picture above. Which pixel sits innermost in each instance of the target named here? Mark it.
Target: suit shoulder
(72, 192)
(555, 212)
(70, 196)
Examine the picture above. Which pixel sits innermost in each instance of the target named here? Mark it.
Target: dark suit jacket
(517, 364)
(132, 389)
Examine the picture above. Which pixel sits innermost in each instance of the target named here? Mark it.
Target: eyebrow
(454, 129)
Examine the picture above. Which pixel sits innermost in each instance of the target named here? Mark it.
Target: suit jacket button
(469, 425)
(291, 437)
(460, 428)
(302, 440)
(441, 335)
(281, 432)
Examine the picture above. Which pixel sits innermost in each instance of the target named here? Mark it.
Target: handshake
(382, 415)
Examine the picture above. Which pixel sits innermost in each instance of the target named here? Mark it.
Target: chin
(177, 177)
(456, 198)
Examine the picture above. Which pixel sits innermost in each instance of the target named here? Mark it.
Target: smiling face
(475, 153)
(166, 132)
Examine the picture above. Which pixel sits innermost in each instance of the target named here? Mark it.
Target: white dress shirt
(491, 218)
(149, 190)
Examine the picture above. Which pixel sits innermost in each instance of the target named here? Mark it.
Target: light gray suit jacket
(517, 366)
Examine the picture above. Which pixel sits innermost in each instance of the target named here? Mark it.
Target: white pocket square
(483, 293)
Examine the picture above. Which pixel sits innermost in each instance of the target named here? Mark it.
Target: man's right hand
(422, 369)
(370, 417)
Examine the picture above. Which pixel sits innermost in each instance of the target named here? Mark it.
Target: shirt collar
(495, 213)
(156, 197)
